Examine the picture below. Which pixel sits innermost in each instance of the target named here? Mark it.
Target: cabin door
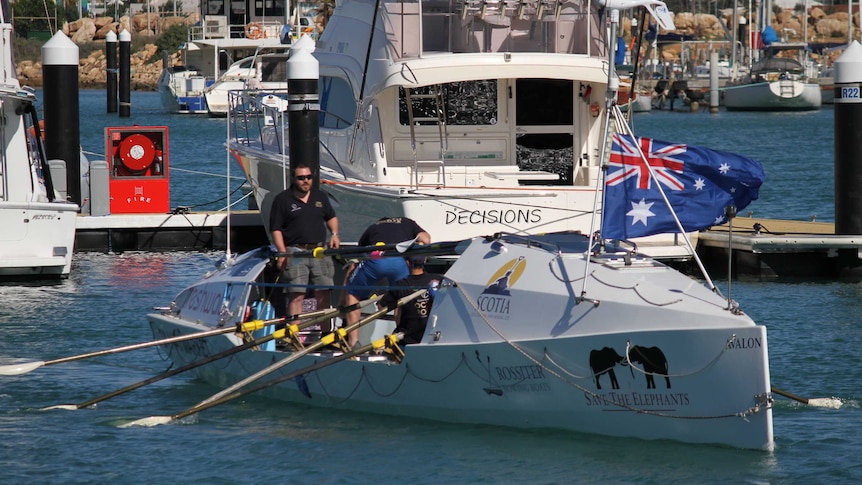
(544, 127)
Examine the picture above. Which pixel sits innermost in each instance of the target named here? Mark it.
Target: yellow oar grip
(252, 325)
(318, 252)
(329, 338)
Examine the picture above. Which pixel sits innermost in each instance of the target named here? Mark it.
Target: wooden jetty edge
(776, 248)
(174, 231)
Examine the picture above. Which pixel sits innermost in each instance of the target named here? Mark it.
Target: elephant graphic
(652, 360)
(603, 362)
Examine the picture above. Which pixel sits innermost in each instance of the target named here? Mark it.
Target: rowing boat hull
(651, 354)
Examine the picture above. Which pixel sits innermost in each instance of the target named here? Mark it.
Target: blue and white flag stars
(698, 182)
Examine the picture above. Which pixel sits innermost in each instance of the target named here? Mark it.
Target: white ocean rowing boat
(524, 332)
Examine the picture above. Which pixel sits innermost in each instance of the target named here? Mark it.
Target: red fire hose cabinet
(138, 175)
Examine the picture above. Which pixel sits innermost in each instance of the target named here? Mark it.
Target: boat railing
(217, 27)
(417, 27)
(259, 118)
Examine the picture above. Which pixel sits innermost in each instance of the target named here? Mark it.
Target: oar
(341, 334)
(375, 252)
(322, 252)
(25, 367)
(376, 345)
(822, 402)
(279, 333)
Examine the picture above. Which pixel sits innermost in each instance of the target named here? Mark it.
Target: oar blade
(826, 402)
(66, 407)
(405, 245)
(148, 422)
(21, 368)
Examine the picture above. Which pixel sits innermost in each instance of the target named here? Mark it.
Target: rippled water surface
(814, 328)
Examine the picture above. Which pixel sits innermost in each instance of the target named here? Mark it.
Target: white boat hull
(38, 238)
(37, 226)
(781, 95)
(530, 357)
(182, 91)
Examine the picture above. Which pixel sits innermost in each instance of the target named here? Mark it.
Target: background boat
(212, 46)
(264, 70)
(775, 83)
(38, 224)
(491, 130)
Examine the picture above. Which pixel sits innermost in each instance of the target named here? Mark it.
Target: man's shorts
(370, 273)
(308, 271)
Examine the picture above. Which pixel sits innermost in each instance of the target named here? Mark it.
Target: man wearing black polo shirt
(299, 218)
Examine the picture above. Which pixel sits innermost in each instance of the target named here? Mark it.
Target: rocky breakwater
(145, 63)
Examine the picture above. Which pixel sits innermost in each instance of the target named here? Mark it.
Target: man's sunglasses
(304, 177)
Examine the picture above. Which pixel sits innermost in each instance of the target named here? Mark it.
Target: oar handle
(378, 251)
(142, 345)
(211, 358)
(376, 345)
(329, 339)
(789, 395)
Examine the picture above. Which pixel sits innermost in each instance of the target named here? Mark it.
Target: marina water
(815, 333)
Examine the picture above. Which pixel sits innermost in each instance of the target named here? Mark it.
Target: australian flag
(698, 182)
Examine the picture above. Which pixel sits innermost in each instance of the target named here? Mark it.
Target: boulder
(85, 33)
(103, 21)
(831, 28)
(103, 31)
(143, 21)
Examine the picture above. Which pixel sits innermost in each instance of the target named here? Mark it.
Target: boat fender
(432, 288)
(32, 130)
(253, 30)
(263, 310)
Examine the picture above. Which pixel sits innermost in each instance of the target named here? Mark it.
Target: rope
(560, 278)
(741, 414)
(707, 366)
(636, 291)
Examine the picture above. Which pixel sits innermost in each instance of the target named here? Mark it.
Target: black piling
(303, 107)
(111, 57)
(848, 154)
(60, 98)
(125, 74)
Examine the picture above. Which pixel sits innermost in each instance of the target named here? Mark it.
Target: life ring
(253, 30)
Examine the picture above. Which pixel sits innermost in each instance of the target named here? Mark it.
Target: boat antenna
(364, 78)
(227, 187)
(636, 63)
(610, 105)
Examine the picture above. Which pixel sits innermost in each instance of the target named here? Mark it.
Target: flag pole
(729, 214)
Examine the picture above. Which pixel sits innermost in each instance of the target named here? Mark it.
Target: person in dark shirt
(360, 279)
(412, 318)
(299, 218)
